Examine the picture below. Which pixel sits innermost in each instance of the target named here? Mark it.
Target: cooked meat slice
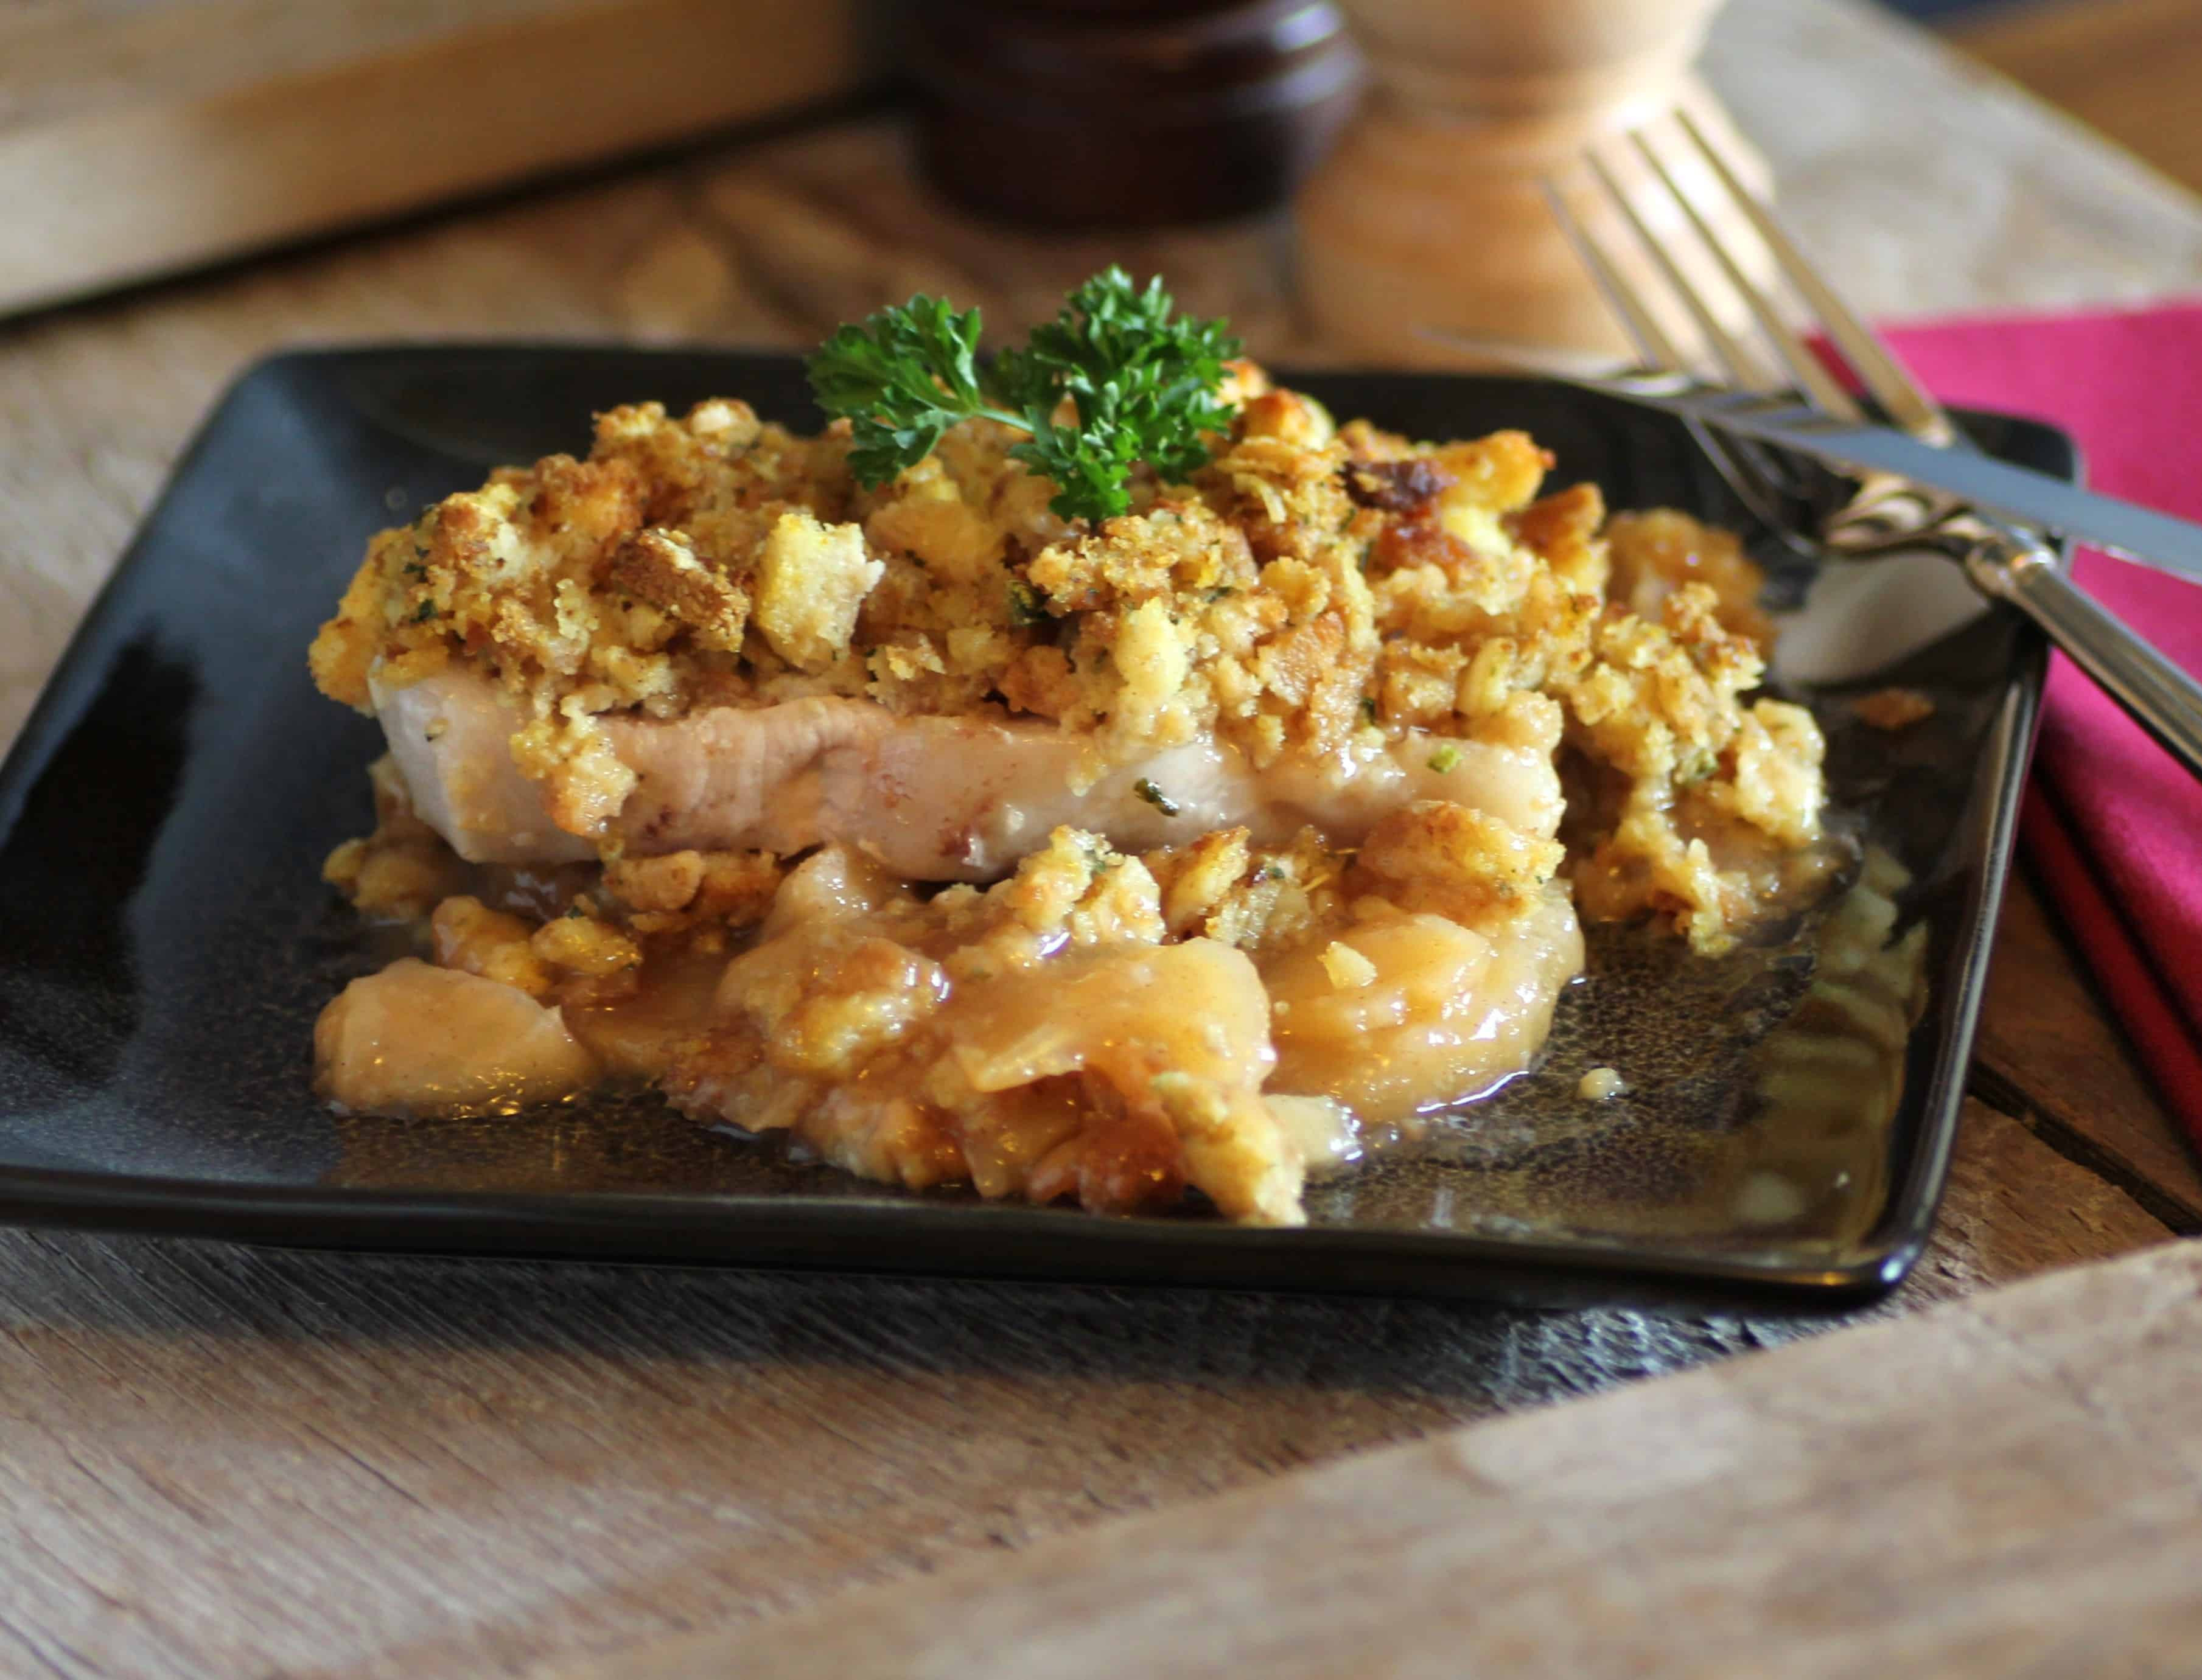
(934, 798)
(1344, 799)
(749, 778)
(450, 738)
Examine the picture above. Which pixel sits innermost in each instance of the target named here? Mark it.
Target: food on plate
(1091, 774)
(1892, 709)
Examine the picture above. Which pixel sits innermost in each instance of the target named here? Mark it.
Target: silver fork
(1809, 506)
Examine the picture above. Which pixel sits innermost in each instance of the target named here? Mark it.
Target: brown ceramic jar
(1126, 113)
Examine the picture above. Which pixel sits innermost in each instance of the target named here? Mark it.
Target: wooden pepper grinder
(1126, 113)
(1430, 210)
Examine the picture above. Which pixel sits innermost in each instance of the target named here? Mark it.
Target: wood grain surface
(2126, 67)
(135, 142)
(1925, 186)
(220, 1461)
(2008, 1485)
(2049, 1052)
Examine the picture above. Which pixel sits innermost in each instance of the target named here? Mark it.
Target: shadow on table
(1464, 1358)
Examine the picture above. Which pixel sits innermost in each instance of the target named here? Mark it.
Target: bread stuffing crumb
(1599, 1084)
(1893, 708)
(1348, 969)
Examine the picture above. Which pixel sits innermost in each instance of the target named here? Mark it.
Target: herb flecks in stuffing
(1146, 788)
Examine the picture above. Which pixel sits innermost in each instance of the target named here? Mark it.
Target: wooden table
(2128, 67)
(217, 1460)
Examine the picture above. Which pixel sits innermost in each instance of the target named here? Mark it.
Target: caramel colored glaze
(1759, 1086)
(414, 1039)
(1170, 1046)
(636, 1037)
(1440, 1013)
(1119, 1071)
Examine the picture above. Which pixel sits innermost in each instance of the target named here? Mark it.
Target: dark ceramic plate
(165, 941)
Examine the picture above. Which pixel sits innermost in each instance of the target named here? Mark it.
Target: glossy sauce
(1434, 1014)
(416, 1039)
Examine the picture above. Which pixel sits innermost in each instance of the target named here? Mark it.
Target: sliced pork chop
(934, 799)
(450, 737)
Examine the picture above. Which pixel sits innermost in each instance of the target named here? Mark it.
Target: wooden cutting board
(2011, 1484)
(140, 136)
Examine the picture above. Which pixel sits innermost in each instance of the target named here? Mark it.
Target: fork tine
(1738, 462)
(1812, 375)
(1744, 367)
(1652, 344)
(1890, 385)
(1739, 459)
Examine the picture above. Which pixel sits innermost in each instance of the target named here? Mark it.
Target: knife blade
(1993, 487)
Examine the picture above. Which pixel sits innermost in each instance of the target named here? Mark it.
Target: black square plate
(165, 941)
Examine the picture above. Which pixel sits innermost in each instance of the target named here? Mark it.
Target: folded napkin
(2112, 827)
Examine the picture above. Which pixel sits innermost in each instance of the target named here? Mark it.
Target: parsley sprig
(1141, 381)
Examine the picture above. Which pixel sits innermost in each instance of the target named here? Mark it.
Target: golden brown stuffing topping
(1892, 709)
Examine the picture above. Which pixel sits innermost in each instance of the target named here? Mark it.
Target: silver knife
(1993, 487)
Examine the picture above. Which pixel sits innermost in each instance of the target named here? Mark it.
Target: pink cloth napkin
(2112, 827)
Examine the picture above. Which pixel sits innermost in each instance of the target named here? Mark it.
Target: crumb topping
(1311, 587)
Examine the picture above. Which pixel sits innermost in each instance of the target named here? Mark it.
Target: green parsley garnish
(1141, 380)
(426, 611)
(1445, 758)
(1155, 797)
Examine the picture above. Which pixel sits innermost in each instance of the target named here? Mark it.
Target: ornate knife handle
(2159, 696)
